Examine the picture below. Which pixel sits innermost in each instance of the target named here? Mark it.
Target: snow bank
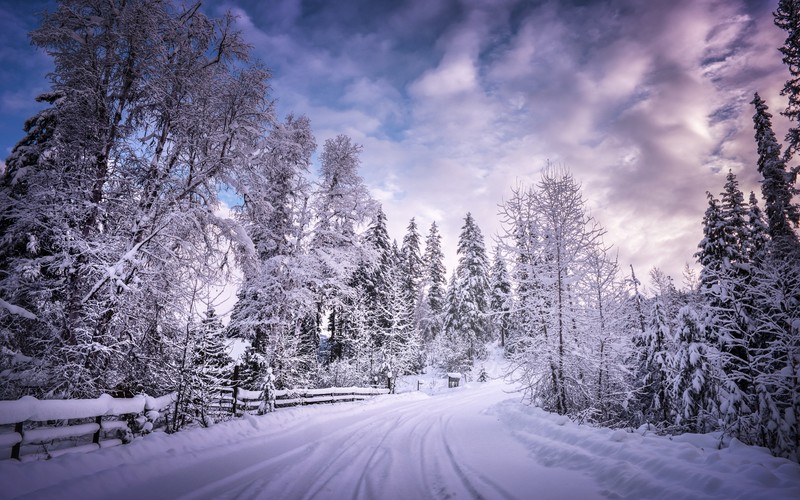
(643, 465)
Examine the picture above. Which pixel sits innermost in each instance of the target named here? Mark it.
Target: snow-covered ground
(475, 441)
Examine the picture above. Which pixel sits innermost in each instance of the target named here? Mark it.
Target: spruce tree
(693, 391)
(211, 367)
(377, 284)
(712, 247)
(654, 366)
(777, 186)
(400, 345)
(412, 268)
(501, 299)
(435, 283)
(758, 233)
(787, 17)
(466, 316)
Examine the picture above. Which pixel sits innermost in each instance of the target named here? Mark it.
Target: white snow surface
(476, 441)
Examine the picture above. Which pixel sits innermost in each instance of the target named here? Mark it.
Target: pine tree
(377, 237)
(501, 299)
(777, 357)
(693, 390)
(435, 283)
(275, 302)
(400, 345)
(468, 296)
(758, 233)
(211, 367)
(454, 350)
(712, 247)
(777, 186)
(654, 367)
(412, 269)
(787, 17)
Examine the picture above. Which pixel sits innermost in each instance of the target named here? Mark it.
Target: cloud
(647, 103)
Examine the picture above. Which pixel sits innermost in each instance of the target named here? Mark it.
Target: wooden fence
(49, 428)
(39, 429)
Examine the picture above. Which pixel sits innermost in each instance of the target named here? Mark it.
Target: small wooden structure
(453, 379)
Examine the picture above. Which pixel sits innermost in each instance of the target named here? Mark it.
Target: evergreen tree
(211, 367)
(693, 390)
(654, 363)
(454, 349)
(712, 247)
(341, 205)
(275, 300)
(377, 237)
(777, 358)
(400, 344)
(501, 298)
(777, 186)
(468, 296)
(758, 233)
(787, 17)
(412, 269)
(435, 283)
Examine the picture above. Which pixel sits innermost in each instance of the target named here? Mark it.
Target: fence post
(96, 438)
(16, 447)
(235, 387)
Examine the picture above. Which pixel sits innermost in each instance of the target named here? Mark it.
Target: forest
(112, 247)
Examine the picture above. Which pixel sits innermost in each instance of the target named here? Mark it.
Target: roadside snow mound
(643, 465)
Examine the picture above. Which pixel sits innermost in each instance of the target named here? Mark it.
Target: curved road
(407, 446)
(471, 442)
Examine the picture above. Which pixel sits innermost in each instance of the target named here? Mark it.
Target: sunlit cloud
(455, 102)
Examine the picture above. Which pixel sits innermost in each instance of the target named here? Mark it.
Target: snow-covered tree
(777, 186)
(777, 357)
(211, 368)
(466, 313)
(108, 206)
(605, 349)
(501, 298)
(551, 238)
(376, 285)
(435, 285)
(694, 386)
(412, 270)
(654, 363)
(277, 294)
(400, 341)
(787, 17)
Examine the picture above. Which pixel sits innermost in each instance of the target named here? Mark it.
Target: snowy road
(473, 442)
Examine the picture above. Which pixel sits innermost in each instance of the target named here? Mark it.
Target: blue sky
(647, 103)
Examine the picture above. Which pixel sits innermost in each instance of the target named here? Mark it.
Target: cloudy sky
(455, 102)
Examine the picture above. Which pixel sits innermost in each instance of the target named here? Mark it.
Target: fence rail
(53, 427)
(36, 429)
